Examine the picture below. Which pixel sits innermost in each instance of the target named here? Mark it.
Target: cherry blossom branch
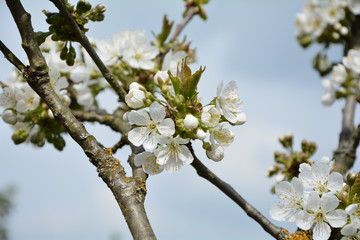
(84, 41)
(129, 192)
(189, 15)
(228, 190)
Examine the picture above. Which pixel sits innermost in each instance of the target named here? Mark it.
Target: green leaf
(165, 31)
(354, 194)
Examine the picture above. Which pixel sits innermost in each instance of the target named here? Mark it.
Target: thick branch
(84, 41)
(129, 192)
(189, 15)
(345, 154)
(251, 211)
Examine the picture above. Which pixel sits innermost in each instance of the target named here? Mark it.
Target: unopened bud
(9, 116)
(216, 154)
(200, 134)
(191, 122)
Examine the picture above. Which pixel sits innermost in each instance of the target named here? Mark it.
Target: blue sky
(59, 195)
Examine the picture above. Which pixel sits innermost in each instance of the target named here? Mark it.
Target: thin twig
(121, 143)
(10, 56)
(189, 15)
(84, 41)
(251, 211)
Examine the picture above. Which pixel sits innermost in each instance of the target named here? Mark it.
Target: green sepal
(354, 194)
(41, 37)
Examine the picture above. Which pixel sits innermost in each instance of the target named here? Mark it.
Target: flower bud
(20, 135)
(135, 98)
(216, 154)
(191, 122)
(9, 116)
(200, 134)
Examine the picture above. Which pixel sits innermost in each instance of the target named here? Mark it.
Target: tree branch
(84, 41)
(229, 191)
(11, 57)
(345, 154)
(129, 192)
(189, 15)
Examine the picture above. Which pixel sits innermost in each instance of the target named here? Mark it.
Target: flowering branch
(83, 40)
(129, 192)
(251, 211)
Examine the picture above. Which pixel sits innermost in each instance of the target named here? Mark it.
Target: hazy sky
(59, 195)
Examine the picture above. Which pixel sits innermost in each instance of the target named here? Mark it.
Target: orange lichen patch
(126, 179)
(110, 150)
(302, 235)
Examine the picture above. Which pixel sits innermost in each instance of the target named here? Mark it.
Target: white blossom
(151, 125)
(321, 213)
(191, 122)
(228, 102)
(136, 51)
(221, 135)
(352, 60)
(318, 176)
(8, 97)
(171, 61)
(172, 153)
(328, 96)
(26, 99)
(292, 195)
(136, 96)
(148, 162)
(216, 154)
(210, 116)
(354, 6)
(338, 73)
(352, 230)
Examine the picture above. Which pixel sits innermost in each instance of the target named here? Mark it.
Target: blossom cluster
(344, 80)
(325, 20)
(311, 201)
(164, 130)
(164, 121)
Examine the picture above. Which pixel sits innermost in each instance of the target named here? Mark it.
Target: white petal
(185, 155)
(282, 212)
(321, 231)
(335, 181)
(304, 220)
(337, 218)
(313, 202)
(151, 141)
(138, 135)
(283, 189)
(148, 161)
(140, 117)
(157, 112)
(166, 127)
(349, 230)
(351, 209)
(329, 202)
(298, 185)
